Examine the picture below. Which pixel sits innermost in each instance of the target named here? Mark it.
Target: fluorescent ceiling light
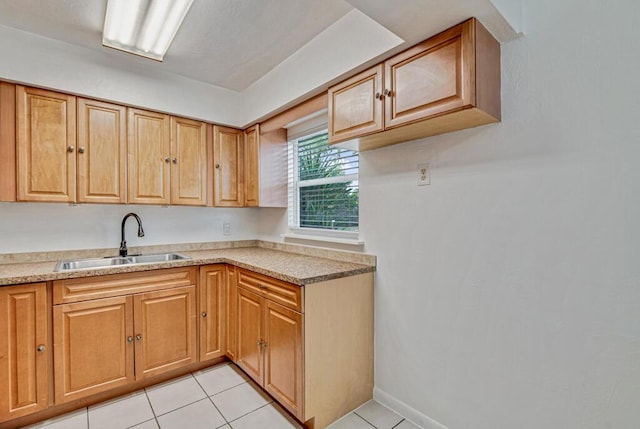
(143, 27)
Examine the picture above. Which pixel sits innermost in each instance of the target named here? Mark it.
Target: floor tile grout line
(250, 412)
(86, 409)
(371, 424)
(151, 405)
(213, 403)
(138, 424)
(398, 424)
(180, 407)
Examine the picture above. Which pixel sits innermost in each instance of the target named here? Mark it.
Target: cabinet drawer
(86, 288)
(278, 291)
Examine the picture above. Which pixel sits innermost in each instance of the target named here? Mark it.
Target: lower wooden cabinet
(213, 314)
(24, 354)
(93, 345)
(270, 348)
(100, 344)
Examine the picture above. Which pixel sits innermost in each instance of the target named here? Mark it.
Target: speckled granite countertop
(297, 268)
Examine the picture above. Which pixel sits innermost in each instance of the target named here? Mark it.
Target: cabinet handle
(138, 337)
(204, 314)
(260, 343)
(167, 160)
(377, 96)
(41, 348)
(387, 93)
(70, 148)
(129, 339)
(175, 160)
(264, 344)
(218, 166)
(81, 149)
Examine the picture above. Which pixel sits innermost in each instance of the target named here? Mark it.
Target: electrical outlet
(226, 228)
(424, 174)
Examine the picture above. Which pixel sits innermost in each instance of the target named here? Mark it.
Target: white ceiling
(227, 43)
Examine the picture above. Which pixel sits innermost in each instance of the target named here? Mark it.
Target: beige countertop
(294, 267)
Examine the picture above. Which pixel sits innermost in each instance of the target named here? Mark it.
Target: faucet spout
(123, 243)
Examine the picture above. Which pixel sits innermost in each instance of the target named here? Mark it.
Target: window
(323, 186)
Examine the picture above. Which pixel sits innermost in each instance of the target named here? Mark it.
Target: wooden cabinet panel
(102, 152)
(252, 166)
(189, 162)
(87, 362)
(355, 106)
(149, 150)
(7, 141)
(430, 78)
(165, 330)
(283, 293)
(23, 350)
(250, 315)
(232, 312)
(228, 158)
(283, 354)
(84, 288)
(213, 315)
(46, 143)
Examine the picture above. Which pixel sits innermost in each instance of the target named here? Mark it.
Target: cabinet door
(23, 354)
(431, 78)
(228, 148)
(213, 327)
(283, 351)
(149, 157)
(46, 143)
(189, 162)
(232, 313)
(165, 330)
(252, 166)
(102, 152)
(356, 106)
(250, 315)
(93, 347)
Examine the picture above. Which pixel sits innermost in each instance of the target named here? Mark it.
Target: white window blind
(323, 184)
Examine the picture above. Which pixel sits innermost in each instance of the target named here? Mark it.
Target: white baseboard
(411, 414)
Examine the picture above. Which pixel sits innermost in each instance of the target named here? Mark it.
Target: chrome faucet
(123, 242)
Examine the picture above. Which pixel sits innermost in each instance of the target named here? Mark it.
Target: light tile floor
(217, 397)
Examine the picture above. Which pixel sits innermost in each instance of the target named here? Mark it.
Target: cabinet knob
(204, 314)
(41, 348)
(81, 149)
(217, 165)
(175, 160)
(129, 339)
(167, 160)
(138, 337)
(70, 148)
(377, 96)
(387, 93)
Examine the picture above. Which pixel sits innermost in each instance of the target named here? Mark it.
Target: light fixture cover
(143, 27)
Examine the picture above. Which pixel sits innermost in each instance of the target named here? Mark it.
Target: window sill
(350, 241)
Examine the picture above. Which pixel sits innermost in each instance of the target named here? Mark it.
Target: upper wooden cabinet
(24, 355)
(355, 107)
(102, 152)
(446, 83)
(228, 158)
(252, 166)
(188, 162)
(149, 157)
(265, 167)
(7, 141)
(46, 144)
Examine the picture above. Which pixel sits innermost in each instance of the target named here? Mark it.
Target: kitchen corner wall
(508, 291)
(30, 227)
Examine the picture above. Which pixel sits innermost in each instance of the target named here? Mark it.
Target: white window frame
(309, 128)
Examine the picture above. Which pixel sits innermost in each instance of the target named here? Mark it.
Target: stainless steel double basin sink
(96, 263)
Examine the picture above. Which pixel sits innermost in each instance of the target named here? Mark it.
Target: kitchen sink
(97, 263)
